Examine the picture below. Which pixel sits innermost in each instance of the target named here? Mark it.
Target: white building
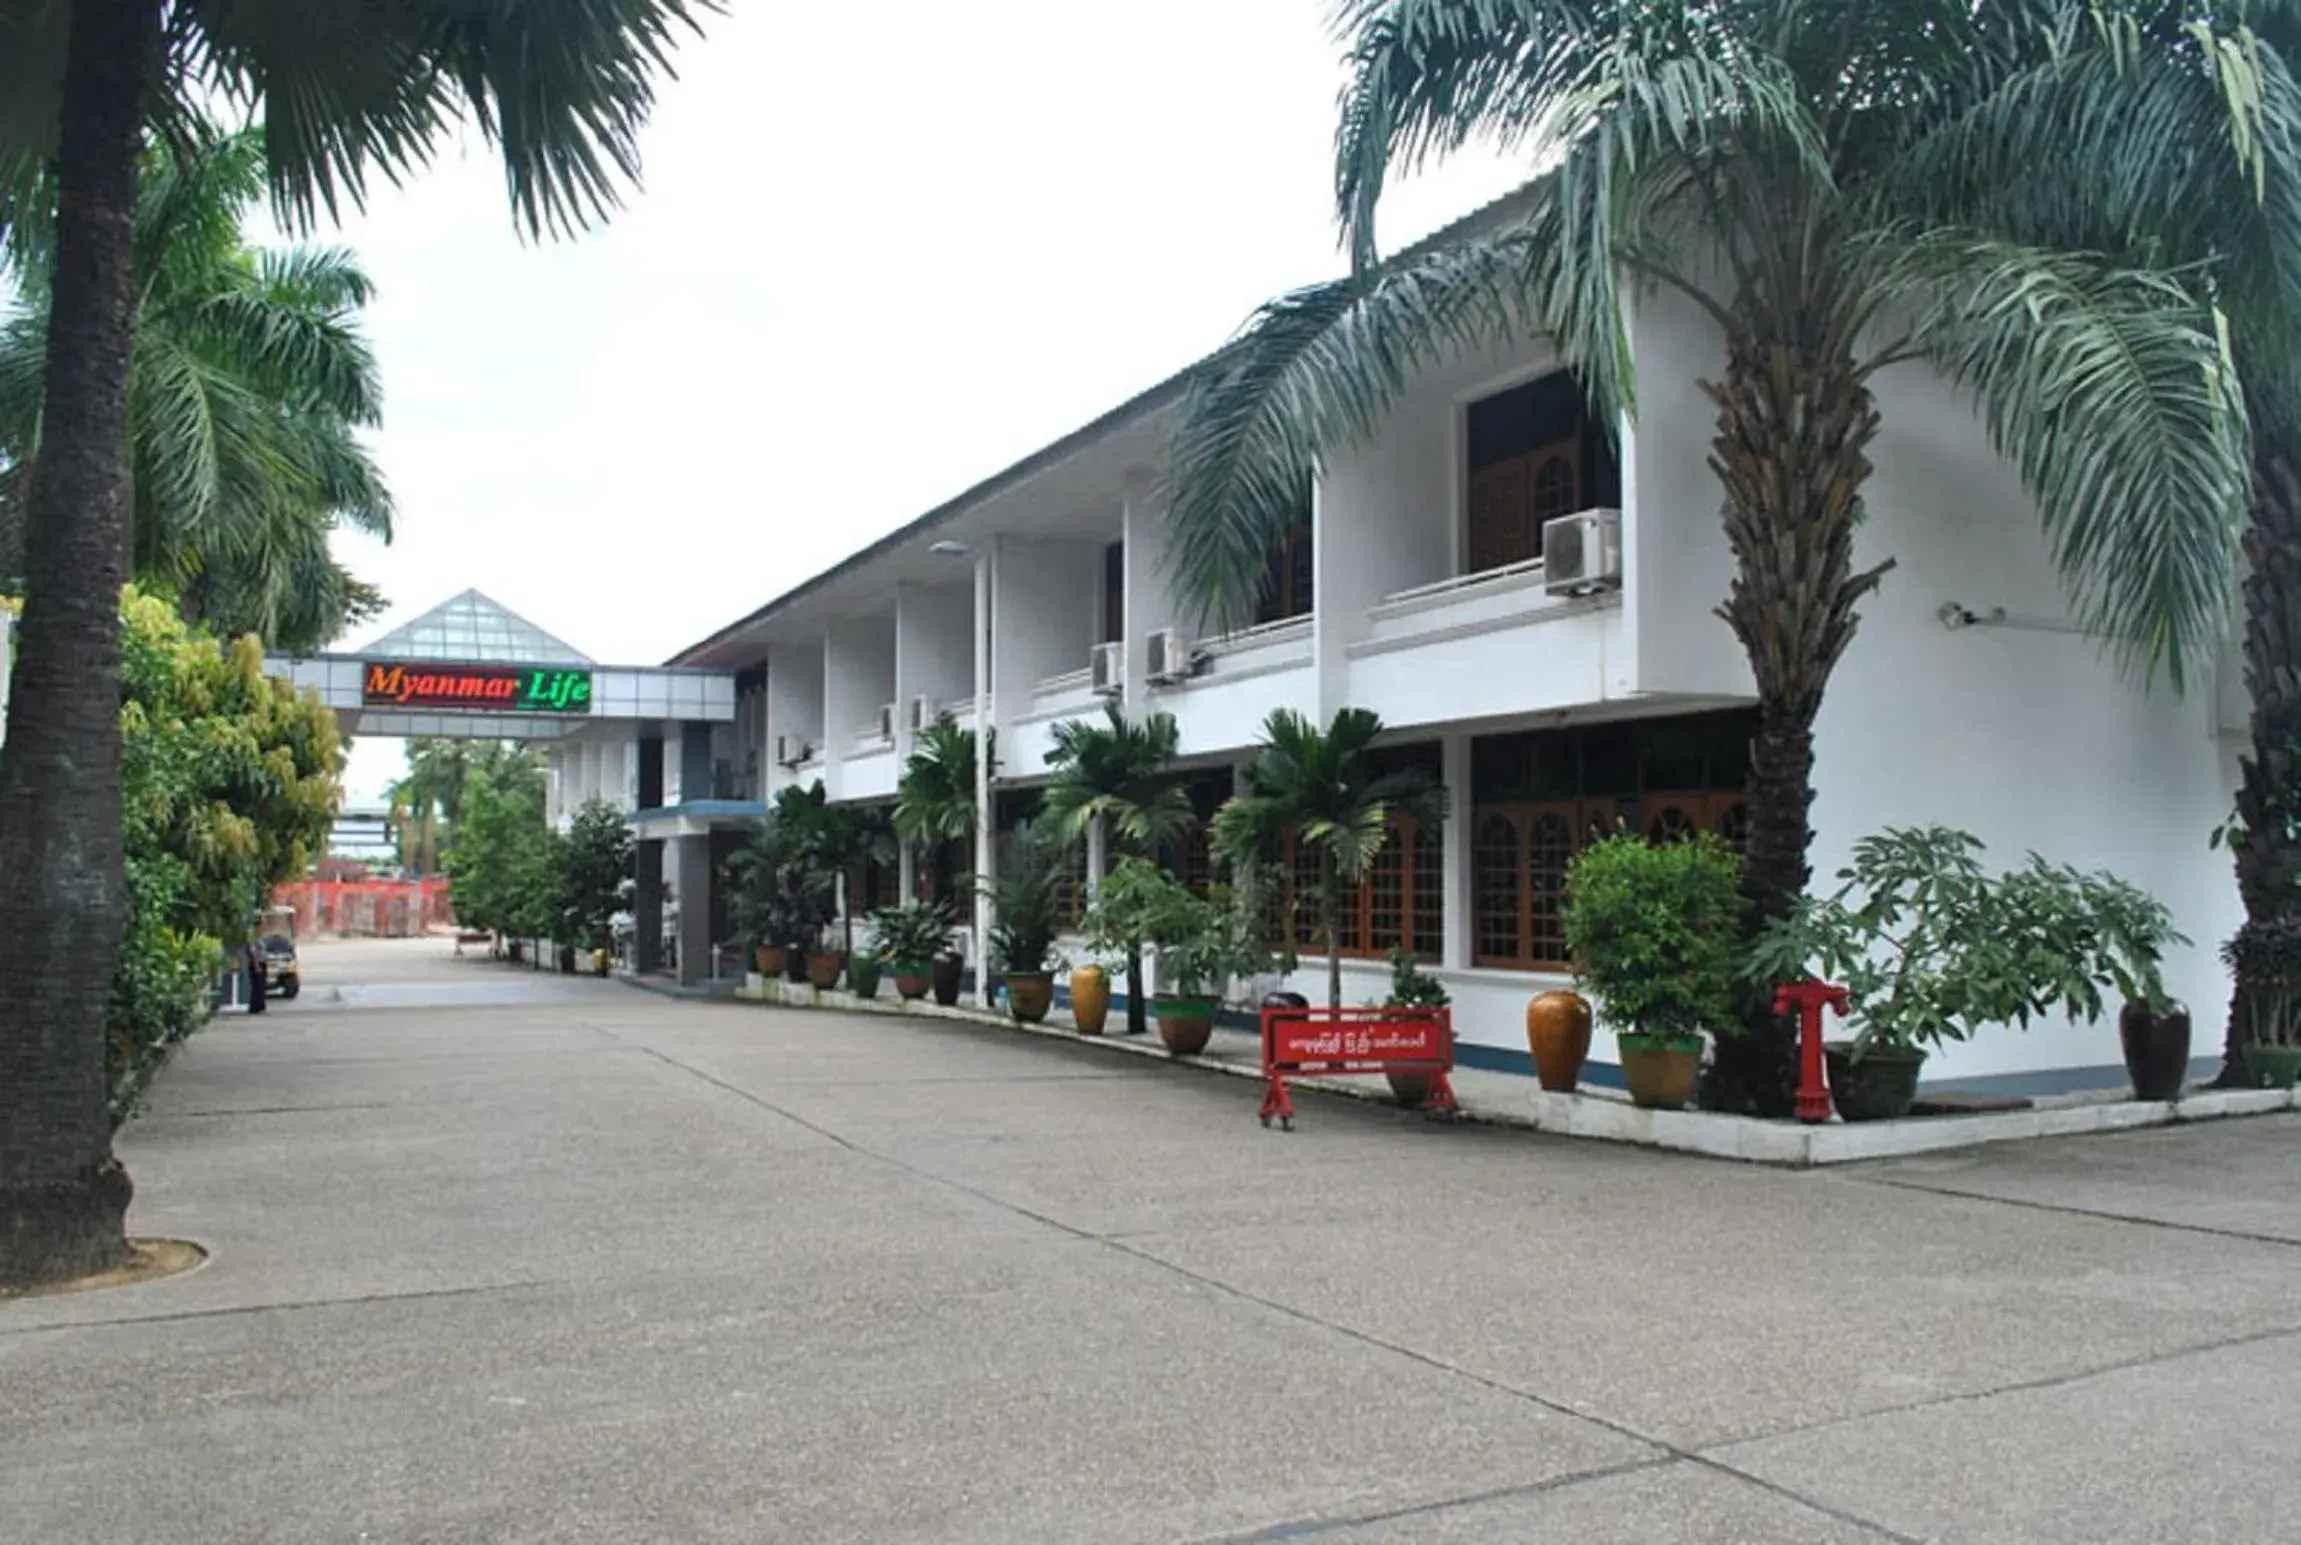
(1416, 590)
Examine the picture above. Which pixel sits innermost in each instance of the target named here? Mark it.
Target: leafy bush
(500, 862)
(1655, 931)
(1411, 987)
(1025, 896)
(228, 779)
(597, 875)
(1202, 941)
(1931, 947)
(912, 934)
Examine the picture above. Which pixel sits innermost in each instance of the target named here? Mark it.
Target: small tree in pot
(1202, 942)
(911, 936)
(1025, 899)
(1655, 934)
(1411, 987)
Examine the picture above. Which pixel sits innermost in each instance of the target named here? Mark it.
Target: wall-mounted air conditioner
(791, 750)
(924, 713)
(1107, 669)
(884, 725)
(1166, 655)
(1582, 553)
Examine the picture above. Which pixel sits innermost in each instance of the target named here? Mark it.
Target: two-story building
(1553, 691)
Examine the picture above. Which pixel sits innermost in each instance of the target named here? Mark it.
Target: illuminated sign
(501, 688)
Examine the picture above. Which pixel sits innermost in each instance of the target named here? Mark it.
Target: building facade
(1552, 692)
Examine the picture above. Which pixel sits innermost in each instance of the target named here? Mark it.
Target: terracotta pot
(1090, 999)
(1029, 995)
(823, 968)
(1661, 1070)
(1412, 1090)
(1881, 1086)
(769, 958)
(944, 975)
(912, 979)
(2156, 1048)
(1185, 1024)
(1558, 1034)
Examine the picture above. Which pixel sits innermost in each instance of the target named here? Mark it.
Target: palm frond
(2112, 392)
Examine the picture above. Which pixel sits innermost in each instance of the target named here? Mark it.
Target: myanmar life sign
(497, 688)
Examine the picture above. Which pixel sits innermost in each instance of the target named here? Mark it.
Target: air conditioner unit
(1166, 655)
(1582, 553)
(1107, 669)
(884, 725)
(924, 713)
(791, 750)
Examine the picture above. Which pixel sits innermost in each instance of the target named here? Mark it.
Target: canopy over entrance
(473, 669)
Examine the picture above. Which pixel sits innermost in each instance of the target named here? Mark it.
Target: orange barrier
(368, 909)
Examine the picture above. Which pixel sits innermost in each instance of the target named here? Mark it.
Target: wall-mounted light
(947, 548)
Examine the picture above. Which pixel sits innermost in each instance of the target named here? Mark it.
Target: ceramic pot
(2156, 1049)
(1558, 1034)
(944, 975)
(1029, 995)
(1090, 999)
(794, 966)
(1879, 1087)
(1185, 1023)
(567, 960)
(769, 958)
(1412, 1090)
(2271, 1067)
(1661, 1070)
(912, 978)
(823, 968)
(863, 976)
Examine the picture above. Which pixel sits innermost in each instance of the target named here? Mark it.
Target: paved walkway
(590, 1265)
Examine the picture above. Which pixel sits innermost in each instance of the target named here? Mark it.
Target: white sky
(868, 268)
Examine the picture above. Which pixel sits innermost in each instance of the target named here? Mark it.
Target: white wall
(858, 677)
(934, 642)
(1385, 520)
(1043, 618)
(794, 702)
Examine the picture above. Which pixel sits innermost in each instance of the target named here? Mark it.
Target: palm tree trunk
(1330, 921)
(1794, 423)
(63, 1197)
(2268, 854)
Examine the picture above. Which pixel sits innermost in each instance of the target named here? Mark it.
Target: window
(1401, 902)
(1535, 454)
(1114, 593)
(1287, 585)
(1538, 799)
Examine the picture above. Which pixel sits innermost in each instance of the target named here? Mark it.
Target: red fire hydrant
(1807, 998)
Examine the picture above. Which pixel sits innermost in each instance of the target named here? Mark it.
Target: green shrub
(1654, 931)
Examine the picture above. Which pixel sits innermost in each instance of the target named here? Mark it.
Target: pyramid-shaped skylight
(473, 630)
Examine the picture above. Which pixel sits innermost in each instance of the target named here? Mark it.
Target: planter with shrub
(1411, 987)
(1655, 934)
(863, 974)
(2265, 957)
(1202, 942)
(1026, 910)
(910, 938)
(1931, 948)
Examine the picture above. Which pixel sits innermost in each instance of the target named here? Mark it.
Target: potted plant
(2101, 932)
(863, 974)
(1654, 931)
(826, 962)
(1090, 997)
(2265, 956)
(946, 975)
(1930, 948)
(1025, 908)
(1411, 987)
(1201, 943)
(910, 937)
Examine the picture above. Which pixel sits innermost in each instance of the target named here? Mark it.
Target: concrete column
(694, 764)
(1457, 840)
(7, 661)
(650, 772)
(1149, 603)
(647, 906)
(986, 678)
(693, 861)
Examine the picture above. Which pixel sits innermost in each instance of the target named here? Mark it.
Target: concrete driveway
(499, 1257)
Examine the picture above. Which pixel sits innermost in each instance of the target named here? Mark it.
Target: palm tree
(935, 797)
(349, 92)
(248, 383)
(1839, 187)
(1115, 778)
(1327, 792)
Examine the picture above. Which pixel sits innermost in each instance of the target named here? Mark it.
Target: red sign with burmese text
(1323, 1042)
